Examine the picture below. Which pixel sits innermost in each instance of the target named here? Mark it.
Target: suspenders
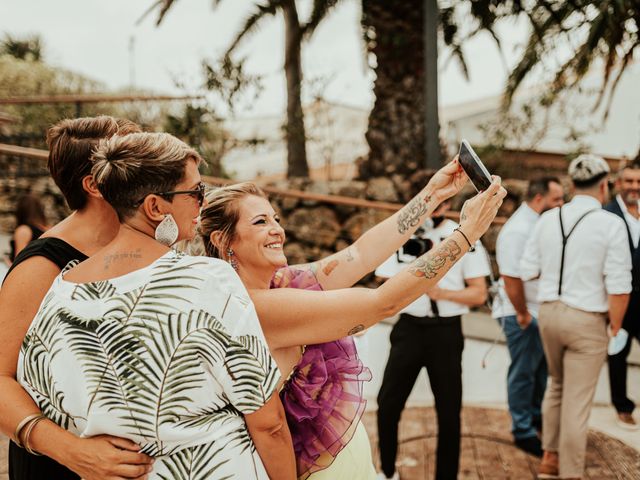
(565, 238)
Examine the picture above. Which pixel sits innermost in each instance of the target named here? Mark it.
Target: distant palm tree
(295, 33)
(29, 48)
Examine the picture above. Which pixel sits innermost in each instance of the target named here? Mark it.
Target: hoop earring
(167, 231)
(232, 261)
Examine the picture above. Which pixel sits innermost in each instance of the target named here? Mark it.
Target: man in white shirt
(516, 308)
(625, 205)
(580, 253)
(429, 334)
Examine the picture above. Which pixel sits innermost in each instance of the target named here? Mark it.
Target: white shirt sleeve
(509, 250)
(475, 264)
(244, 367)
(617, 264)
(389, 267)
(530, 262)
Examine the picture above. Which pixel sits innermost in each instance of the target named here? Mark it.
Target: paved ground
(486, 453)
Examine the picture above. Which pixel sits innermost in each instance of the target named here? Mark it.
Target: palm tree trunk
(394, 30)
(296, 151)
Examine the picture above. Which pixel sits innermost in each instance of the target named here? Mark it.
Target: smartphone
(473, 167)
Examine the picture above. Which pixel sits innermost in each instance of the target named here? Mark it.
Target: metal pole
(431, 121)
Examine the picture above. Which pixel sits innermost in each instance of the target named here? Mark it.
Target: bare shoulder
(27, 279)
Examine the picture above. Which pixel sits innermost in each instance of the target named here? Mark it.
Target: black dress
(23, 465)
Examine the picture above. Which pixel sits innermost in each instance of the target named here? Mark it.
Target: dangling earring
(167, 231)
(232, 261)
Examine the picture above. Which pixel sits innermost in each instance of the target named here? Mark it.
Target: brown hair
(29, 211)
(128, 168)
(221, 214)
(71, 143)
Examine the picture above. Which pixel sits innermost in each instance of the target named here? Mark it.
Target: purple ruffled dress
(322, 397)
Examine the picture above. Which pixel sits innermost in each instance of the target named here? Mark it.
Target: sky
(94, 38)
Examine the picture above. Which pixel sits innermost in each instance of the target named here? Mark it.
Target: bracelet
(459, 230)
(27, 445)
(21, 425)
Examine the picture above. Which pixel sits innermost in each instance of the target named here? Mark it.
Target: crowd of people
(123, 357)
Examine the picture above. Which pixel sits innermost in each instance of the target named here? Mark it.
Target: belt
(431, 320)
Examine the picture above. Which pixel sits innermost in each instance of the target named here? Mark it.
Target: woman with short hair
(154, 346)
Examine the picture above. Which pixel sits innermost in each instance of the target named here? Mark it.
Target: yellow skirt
(354, 461)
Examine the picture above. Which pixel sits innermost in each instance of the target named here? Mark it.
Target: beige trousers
(575, 345)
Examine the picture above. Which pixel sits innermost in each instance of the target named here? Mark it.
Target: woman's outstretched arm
(346, 267)
(297, 317)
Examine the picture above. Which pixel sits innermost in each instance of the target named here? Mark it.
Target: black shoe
(531, 445)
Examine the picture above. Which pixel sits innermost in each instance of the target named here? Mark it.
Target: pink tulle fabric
(323, 396)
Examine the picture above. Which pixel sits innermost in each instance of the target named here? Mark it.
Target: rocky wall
(314, 229)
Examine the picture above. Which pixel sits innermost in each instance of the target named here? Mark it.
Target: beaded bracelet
(27, 445)
(23, 423)
(459, 230)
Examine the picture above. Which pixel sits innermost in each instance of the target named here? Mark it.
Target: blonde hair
(221, 215)
(128, 168)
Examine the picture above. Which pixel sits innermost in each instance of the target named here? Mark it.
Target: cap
(587, 167)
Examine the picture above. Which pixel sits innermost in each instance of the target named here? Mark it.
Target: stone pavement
(487, 451)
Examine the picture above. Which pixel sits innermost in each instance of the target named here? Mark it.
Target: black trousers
(435, 344)
(618, 363)
(24, 466)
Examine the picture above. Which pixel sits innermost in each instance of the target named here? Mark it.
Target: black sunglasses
(199, 193)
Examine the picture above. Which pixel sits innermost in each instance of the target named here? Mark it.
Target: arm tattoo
(430, 264)
(350, 257)
(329, 267)
(410, 215)
(356, 329)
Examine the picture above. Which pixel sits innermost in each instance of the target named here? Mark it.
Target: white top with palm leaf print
(169, 356)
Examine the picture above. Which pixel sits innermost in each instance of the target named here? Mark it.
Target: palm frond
(251, 23)
(319, 12)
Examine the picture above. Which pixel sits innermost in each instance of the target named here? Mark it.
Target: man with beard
(625, 205)
(516, 308)
(429, 334)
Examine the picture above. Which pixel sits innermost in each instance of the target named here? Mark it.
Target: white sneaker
(382, 476)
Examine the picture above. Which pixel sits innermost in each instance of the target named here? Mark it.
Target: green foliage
(202, 129)
(30, 77)
(23, 49)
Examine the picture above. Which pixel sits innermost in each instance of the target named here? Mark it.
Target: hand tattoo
(410, 215)
(356, 329)
(430, 264)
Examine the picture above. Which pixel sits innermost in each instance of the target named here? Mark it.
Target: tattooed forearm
(356, 329)
(430, 264)
(410, 215)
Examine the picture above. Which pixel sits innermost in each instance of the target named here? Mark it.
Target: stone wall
(19, 176)
(314, 229)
